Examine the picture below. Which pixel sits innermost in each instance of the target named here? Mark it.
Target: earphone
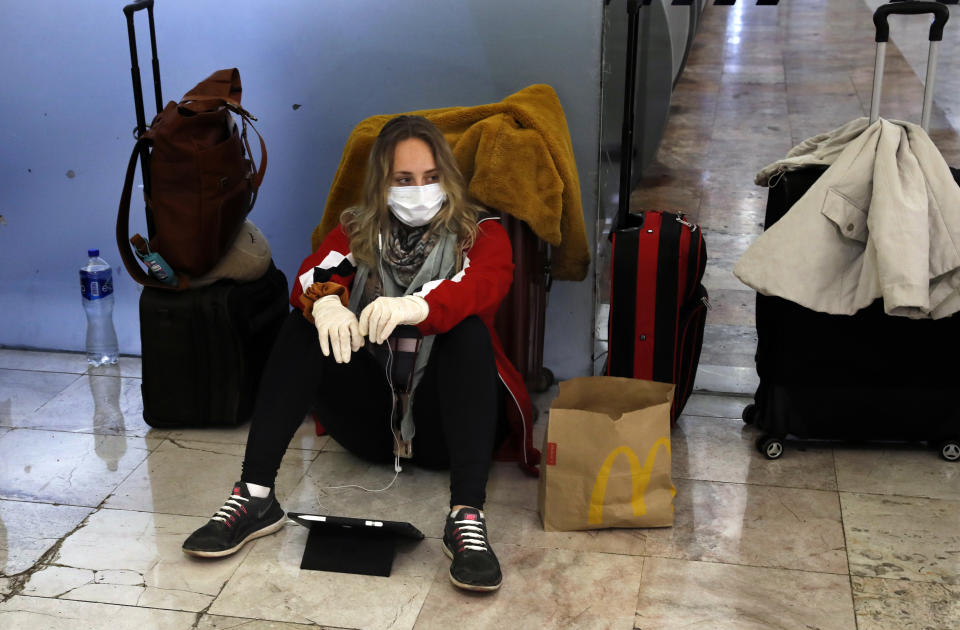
(389, 373)
(393, 405)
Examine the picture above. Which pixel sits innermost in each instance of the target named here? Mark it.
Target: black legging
(455, 407)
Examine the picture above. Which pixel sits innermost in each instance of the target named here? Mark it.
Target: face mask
(416, 205)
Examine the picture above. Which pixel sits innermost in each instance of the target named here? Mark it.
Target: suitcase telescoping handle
(128, 11)
(940, 16)
(629, 96)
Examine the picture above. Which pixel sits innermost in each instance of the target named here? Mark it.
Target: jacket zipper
(523, 419)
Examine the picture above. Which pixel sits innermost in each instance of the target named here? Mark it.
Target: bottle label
(95, 285)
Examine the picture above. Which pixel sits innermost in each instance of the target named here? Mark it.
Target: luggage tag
(155, 263)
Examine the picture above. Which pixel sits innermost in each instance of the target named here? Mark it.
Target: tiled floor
(94, 504)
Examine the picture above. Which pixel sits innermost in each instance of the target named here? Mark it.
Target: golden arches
(640, 474)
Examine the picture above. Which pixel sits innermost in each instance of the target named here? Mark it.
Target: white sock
(454, 512)
(260, 492)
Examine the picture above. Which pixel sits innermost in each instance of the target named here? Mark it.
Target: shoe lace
(231, 509)
(470, 535)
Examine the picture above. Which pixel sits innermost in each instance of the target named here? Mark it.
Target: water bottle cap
(93, 253)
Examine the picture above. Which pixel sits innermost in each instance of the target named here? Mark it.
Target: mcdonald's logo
(640, 475)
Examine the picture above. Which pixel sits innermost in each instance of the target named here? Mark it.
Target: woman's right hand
(337, 328)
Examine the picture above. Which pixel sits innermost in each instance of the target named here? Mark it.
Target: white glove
(384, 314)
(337, 328)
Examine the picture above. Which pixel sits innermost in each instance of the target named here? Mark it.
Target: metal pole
(928, 85)
(629, 98)
(877, 81)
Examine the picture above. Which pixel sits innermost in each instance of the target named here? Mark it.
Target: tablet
(326, 521)
(351, 545)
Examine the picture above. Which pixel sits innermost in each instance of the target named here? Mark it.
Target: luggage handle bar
(940, 16)
(629, 96)
(128, 11)
(133, 7)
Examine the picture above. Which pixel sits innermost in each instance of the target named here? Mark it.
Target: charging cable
(396, 456)
(393, 408)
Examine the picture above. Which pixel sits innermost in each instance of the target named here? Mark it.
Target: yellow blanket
(517, 157)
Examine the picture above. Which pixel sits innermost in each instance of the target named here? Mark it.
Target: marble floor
(94, 504)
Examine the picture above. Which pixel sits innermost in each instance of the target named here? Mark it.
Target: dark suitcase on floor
(658, 305)
(520, 319)
(204, 349)
(868, 376)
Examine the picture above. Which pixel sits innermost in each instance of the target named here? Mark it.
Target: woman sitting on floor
(417, 252)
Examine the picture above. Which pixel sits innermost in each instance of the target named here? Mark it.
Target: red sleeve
(476, 290)
(332, 259)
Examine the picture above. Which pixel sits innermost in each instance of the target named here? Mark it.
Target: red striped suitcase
(658, 306)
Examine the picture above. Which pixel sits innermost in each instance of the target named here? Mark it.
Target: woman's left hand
(381, 316)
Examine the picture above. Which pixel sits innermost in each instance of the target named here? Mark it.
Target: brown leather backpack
(201, 183)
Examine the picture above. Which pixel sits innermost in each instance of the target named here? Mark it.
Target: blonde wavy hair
(366, 222)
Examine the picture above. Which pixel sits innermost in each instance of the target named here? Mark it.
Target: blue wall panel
(67, 114)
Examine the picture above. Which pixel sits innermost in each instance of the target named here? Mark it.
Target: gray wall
(67, 114)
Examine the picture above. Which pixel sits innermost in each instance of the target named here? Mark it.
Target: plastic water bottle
(96, 287)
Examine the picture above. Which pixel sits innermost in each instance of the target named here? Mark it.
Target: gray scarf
(439, 264)
(406, 249)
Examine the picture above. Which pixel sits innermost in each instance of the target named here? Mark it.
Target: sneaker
(475, 566)
(241, 519)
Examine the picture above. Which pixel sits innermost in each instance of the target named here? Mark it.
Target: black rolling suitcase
(868, 376)
(203, 350)
(658, 305)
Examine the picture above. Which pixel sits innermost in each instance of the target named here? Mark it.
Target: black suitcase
(658, 305)
(204, 349)
(867, 376)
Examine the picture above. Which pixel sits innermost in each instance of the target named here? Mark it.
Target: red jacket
(476, 290)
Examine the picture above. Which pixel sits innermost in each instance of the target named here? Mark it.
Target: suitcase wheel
(542, 381)
(771, 447)
(749, 414)
(950, 450)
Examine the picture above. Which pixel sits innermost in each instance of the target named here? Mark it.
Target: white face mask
(416, 205)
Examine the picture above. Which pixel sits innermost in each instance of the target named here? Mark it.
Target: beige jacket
(882, 221)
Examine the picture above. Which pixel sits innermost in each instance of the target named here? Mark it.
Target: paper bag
(607, 455)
